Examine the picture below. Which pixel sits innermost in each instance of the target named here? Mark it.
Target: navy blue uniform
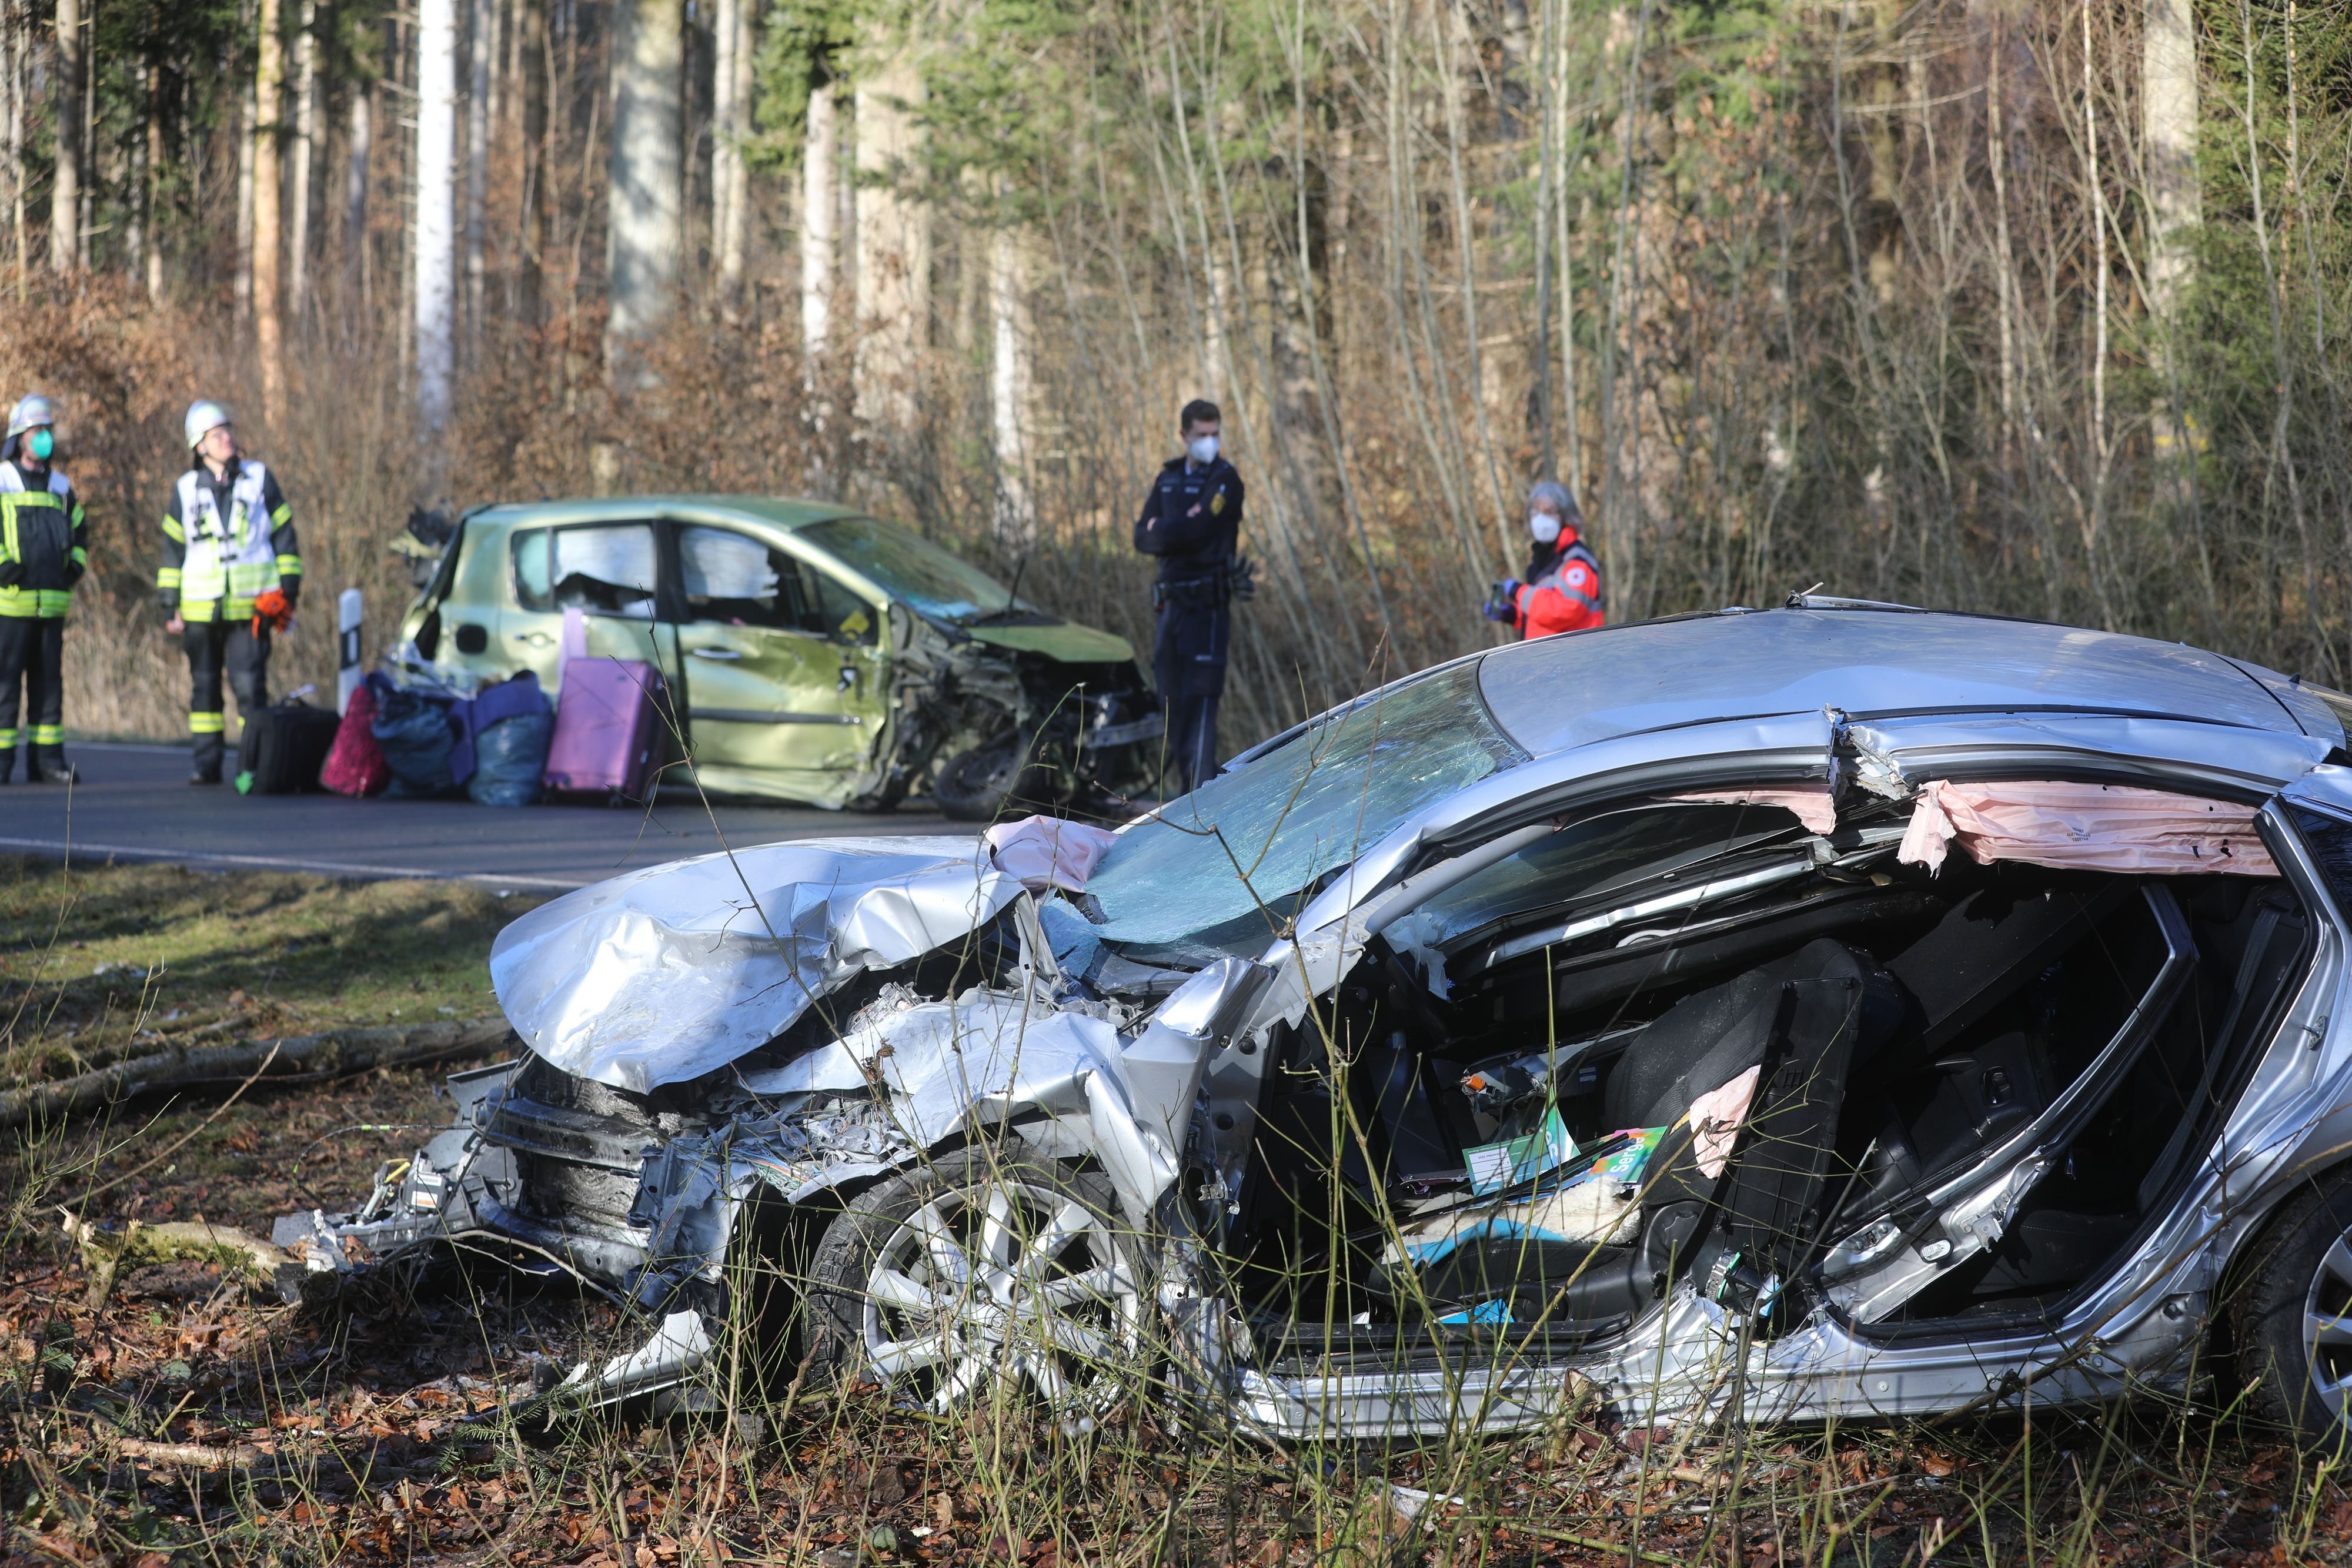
(1191, 521)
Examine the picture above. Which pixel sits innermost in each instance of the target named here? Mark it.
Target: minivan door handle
(715, 653)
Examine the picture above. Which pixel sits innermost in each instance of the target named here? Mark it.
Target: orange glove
(272, 607)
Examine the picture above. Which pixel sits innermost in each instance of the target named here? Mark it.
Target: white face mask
(1204, 450)
(1544, 525)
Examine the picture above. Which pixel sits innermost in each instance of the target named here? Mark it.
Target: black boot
(53, 767)
(7, 764)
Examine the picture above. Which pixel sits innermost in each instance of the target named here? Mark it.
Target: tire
(975, 786)
(882, 800)
(2290, 1323)
(886, 1303)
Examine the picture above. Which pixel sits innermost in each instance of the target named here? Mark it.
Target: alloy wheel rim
(2327, 1327)
(1003, 1284)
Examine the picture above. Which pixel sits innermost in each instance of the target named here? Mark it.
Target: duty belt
(1236, 579)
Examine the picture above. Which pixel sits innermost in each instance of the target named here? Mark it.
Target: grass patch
(100, 961)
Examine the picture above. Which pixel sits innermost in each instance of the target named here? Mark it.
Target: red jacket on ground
(1565, 594)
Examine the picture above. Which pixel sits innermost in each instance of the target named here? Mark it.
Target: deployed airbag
(2086, 827)
(1813, 808)
(1047, 852)
(664, 974)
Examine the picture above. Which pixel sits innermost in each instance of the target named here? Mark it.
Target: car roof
(1868, 662)
(782, 511)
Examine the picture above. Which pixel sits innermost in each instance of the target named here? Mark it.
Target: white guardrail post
(347, 648)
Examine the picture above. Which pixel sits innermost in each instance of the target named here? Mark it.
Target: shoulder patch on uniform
(1216, 503)
(1577, 574)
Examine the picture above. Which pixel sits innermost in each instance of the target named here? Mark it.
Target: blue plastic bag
(413, 732)
(508, 757)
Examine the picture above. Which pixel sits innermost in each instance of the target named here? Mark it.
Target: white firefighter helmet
(30, 412)
(205, 416)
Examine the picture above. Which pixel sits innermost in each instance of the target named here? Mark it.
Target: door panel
(775, 676)
(610, 571)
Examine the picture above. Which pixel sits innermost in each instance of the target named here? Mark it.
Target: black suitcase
(284, 748)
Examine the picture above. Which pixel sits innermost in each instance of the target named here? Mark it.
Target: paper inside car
(1834, 1011)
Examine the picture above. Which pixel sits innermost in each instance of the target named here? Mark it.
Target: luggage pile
(414, 731)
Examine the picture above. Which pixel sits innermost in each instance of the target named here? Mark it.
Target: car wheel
(974, 786)
(944, 1281)
(2293, 1317)
(885, 798)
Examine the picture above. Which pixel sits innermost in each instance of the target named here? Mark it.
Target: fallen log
(326, 1054)
(106, 1253)
(199, 1456)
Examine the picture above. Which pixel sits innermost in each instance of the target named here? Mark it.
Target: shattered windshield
(1218, 870)
(912, 567)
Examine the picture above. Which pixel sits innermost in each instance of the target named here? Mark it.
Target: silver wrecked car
(1833, 1010)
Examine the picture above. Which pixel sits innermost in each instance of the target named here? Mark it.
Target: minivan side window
(606, 569)
(735, 579)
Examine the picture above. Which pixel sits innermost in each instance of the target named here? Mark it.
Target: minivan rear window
(608, 568)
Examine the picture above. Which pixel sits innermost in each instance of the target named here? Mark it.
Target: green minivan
(815, 654)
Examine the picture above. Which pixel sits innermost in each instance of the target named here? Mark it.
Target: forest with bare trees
(2033, 307)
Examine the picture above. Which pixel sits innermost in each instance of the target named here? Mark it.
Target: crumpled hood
(664, 974)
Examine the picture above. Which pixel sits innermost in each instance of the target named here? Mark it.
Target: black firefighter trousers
(214, 646)
(31, 660)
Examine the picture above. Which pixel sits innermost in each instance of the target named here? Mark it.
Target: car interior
(1903, 1028)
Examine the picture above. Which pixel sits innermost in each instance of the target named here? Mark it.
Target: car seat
(1808, 1019)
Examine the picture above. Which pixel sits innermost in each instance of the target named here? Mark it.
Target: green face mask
(41, 444)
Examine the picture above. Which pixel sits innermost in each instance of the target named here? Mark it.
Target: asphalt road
(134, 802)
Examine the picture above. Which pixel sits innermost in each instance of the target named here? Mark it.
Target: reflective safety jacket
(41, 553)
(1564, 595)
(215, 565)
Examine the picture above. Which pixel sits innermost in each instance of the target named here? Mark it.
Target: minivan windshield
(912, 567)
(1219, 870)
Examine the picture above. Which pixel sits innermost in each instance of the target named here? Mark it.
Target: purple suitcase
(608, 733)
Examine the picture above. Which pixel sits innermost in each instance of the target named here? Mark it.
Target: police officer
(1563, 591)
(1191, 520)
(231, 571)
(41, 558)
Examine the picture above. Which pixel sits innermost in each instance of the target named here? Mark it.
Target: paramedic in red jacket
(1563, 591)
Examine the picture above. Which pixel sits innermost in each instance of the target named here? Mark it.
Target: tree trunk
(15, 35)
(2168, 130)
(147, 186)
(478, 165)
(739, 205)
(820, 204)
(86, 223)
(645, 230)
(306, 134)
(65, 190)
(134, 239)
(1012, 399)
(242, 287)
(894, 239)
(533, 47)
(728, 99)
(270, 96)
(433, 276)
(355, 197)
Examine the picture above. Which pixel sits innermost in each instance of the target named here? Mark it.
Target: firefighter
(1563, 591)
(230, 575)
(41, 558)
(1191, 520)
